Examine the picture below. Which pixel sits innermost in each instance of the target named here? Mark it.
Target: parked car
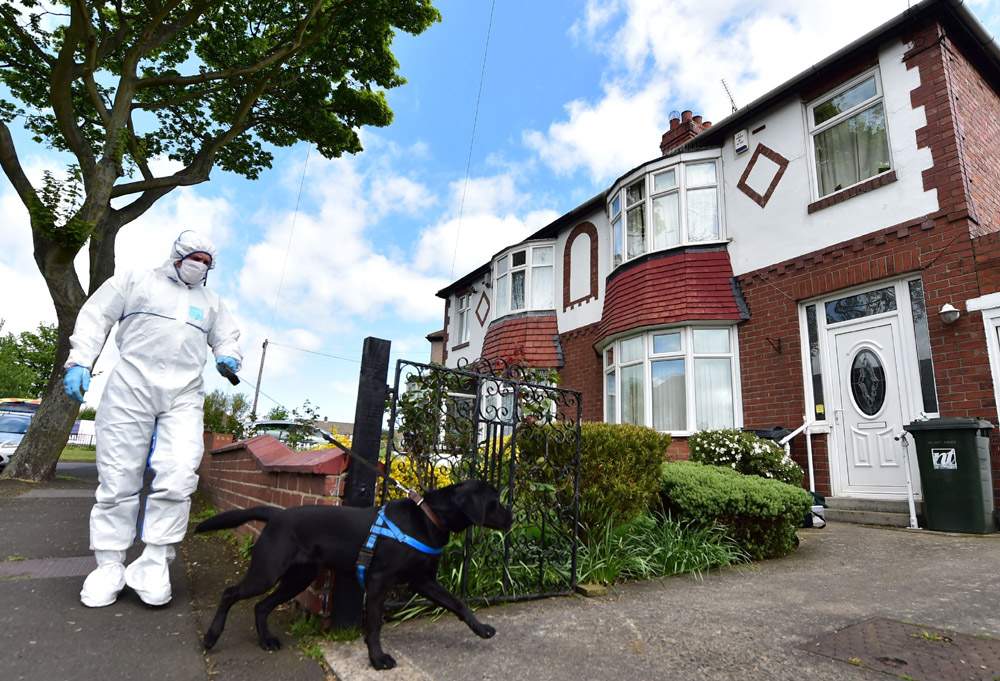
(13, 426)
(301, 436)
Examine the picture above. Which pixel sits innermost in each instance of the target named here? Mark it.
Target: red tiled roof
(272, 455)
(531, 341)
(687, 286)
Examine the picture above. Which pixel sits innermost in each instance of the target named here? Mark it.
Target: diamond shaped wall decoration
(483, 309)
(762, 174)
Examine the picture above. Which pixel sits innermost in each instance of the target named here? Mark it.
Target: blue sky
(574, 94)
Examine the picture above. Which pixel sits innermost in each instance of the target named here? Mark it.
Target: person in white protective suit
(153, 397)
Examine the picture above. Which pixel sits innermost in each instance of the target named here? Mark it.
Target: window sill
(460, 346)
(868, 185)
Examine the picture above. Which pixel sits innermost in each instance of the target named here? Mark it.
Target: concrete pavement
(746, 623)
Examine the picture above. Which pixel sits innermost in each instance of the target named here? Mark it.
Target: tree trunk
(38, 453)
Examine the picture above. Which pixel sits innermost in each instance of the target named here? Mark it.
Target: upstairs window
(462, 318)
(848, 133)
(665, 208)
(525, 280)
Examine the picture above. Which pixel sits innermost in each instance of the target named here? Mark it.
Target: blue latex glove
(230, 362)
(76, 382)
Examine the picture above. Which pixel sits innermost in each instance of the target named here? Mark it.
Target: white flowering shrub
(744, 453)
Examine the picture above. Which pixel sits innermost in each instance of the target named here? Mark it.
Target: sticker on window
(944, 459)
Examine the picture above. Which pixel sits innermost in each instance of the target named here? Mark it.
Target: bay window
(524, 279)
(664, 208)
(848, 133)
(676, 380)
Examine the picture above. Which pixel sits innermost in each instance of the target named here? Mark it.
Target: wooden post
(360, 485)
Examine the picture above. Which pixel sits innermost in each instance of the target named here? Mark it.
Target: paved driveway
(746, 623)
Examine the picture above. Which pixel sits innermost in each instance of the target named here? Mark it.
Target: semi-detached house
(786, 265)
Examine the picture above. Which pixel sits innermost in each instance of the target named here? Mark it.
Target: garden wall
(263, 472)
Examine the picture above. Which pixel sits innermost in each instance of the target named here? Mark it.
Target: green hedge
(619, 467)
(761, 515)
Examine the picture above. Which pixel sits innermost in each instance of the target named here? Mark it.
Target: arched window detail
(582, 267)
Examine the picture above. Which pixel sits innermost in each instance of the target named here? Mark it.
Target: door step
(891, 513)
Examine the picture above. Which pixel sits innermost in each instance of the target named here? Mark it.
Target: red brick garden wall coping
(271, 455)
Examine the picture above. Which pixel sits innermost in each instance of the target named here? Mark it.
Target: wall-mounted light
(949, 313)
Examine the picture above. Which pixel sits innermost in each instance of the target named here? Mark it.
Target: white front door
(869, 415)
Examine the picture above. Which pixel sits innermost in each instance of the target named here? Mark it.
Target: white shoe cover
(149, 574)
(104, 583)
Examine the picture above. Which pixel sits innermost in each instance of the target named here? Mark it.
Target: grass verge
(78, 453)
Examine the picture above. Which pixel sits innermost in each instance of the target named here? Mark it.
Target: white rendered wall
(590, 311)
(477, 332)
(784, 229)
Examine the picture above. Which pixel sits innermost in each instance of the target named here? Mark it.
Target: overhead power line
(472, 139)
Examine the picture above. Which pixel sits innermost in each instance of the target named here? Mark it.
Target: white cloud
(331, 271)
(492, 216)
(607, 137)
(398, 194)
(673, 55)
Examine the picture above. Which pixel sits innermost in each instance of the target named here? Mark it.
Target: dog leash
(411, 494)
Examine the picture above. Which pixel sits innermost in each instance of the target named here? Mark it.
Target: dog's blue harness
(383, 527)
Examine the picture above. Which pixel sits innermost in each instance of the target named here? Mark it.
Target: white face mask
(191, 272)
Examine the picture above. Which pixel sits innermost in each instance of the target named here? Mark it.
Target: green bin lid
(950, 423)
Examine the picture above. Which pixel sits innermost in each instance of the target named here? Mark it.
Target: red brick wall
(583, 370)
(234, 478)
(978, 114)
(987, 250)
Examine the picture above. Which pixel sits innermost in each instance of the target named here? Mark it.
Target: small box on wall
(741, 141)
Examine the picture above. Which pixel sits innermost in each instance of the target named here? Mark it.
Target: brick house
(785, 266)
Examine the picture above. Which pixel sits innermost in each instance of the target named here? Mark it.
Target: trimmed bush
(761, 515)
(744, 453)
(619, 467)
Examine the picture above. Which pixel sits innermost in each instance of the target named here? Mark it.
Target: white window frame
(529, 273)
(689, 356)
(462, 315)
(814, 129)
(679, 165)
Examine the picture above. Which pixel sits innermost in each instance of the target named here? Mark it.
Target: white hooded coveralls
(156, 385)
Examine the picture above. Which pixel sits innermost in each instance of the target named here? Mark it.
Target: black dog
(298, 542)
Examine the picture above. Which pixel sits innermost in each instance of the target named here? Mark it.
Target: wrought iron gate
(503, 424)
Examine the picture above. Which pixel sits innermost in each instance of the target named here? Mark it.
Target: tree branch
(12, 168)
(61, 95)
(198, 170)
(275, 56)
(24, 37)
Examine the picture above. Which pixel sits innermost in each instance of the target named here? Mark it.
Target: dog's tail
(236, 518)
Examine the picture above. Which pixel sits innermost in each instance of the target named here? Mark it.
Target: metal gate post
(359, 489)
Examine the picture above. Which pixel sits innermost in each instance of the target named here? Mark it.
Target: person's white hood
(187, 243)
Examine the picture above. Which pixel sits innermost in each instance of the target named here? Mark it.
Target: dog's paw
(383, 661)
(485, 631)
(209, 640)
(270, 643)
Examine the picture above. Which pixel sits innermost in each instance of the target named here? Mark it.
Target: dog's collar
(428, 511)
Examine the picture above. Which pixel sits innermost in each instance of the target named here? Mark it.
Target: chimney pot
(674, 122)
(706, 124)
(686, 115)
(697, 119)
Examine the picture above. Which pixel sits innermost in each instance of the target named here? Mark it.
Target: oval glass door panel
(868, 382)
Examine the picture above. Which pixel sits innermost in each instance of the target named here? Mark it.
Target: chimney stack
(684, 126)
